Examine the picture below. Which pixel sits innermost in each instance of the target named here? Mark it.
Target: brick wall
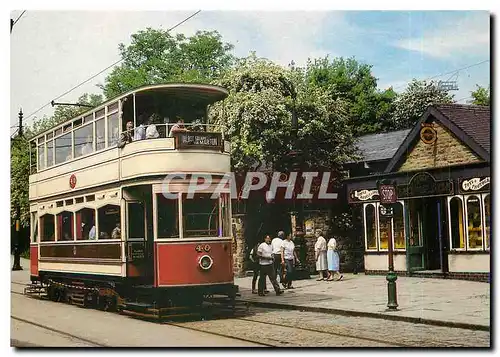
(238, 223)
(445, 151)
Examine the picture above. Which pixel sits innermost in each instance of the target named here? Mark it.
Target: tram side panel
(34, 260)
(193, 263)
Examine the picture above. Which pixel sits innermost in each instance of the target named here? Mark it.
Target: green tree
(257, 117)
(414, 101)
(481, 96)
(155, 56)
(369, 109)
(20, 153)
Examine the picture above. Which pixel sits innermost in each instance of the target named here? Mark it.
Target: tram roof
(202, 93)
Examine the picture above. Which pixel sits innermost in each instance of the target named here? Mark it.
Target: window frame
(365, 205)
(483, 197)
(466, 197)
(464, 209)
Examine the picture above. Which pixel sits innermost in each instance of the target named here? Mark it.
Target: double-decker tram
(108, 229)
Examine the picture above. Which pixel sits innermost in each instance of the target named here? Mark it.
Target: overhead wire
(105, 69)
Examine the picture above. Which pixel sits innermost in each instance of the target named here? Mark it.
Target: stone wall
(447, 150)
(238, 223)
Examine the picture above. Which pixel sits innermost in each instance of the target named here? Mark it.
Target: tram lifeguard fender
(178, 264)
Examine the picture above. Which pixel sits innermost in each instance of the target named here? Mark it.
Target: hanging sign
(387, 194)
(475, 184)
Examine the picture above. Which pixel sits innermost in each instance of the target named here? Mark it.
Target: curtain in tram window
(79, 227)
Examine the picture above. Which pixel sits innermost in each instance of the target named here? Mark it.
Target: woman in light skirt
(333, 261)
(320, 252)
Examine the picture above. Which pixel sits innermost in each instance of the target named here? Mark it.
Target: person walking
(276, 245)
(256, 268)
(288, 260)
(265, 253)
(320, 253)
(333, 261)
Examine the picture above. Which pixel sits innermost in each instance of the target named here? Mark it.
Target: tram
(104, 232)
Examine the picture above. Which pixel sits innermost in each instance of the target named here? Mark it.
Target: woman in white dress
(320, 253)
(333, 261)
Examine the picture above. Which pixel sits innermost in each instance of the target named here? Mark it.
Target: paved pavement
(445, 302)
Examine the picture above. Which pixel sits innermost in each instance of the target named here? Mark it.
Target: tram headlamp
(206, 262)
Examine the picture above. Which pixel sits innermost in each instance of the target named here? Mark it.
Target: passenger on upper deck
(126, 136)
(140, 131)
(87, 148)
(179, 127)
(151, 131)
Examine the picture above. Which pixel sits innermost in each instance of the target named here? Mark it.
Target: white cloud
(469, 35)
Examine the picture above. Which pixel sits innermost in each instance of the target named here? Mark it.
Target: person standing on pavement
(276, 244)
(288, 259)
(320, 253)
(265, 253)
(333, 261)
(256, 268)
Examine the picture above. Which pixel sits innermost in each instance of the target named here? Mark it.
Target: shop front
(441, 221)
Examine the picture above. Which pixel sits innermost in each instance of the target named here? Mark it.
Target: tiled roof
(473, 120)
(381, 146)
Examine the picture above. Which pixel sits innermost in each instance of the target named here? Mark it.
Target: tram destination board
(192, 140)
(387, 194)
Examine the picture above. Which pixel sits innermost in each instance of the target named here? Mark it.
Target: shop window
(63, 150)
(370, 227)
(34, 225)
(456, 224)
(113, 129)
(85, 224)
(64, 226)
(100, 129)
(41, 157)
(109, 222)
(84, 140)
(474, 228)
(47, 228)
(384, 227)
(487, 218)
(200, 216)
(168, 217)
(399, 226)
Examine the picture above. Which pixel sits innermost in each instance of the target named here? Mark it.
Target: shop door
(415, 251)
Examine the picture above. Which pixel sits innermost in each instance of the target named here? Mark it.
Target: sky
(53, 51)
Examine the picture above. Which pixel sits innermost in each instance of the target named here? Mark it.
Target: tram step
(78, 299)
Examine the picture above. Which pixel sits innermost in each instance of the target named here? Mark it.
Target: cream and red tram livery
(100, 221)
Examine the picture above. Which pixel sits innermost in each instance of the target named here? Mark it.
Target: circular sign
(72, 181)
(428, 135)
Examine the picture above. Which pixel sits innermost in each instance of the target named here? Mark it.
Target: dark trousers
(256, 272)
(277, 266)
(288, 277)
(267, 270)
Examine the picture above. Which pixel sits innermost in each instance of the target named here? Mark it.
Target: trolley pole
(388, 196)
(17, 235)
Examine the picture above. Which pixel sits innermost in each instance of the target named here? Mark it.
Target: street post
(388, 196)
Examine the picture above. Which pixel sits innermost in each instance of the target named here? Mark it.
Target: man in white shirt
(288, 259)
(276, 244)
(265, 254)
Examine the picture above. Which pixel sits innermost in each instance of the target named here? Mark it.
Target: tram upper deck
(84, 153)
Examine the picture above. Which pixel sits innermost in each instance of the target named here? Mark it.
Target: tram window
(487, 217)
(474, 228)
(370, 226)
(58, 131)
(90, 198)
(47, 228)
(226, 214)
(85, 224)
(34, 224)
(168, 217)
(109, 222)
(67, 127)
(88, 118)
(79, 200)
(84, 141)
(77, 122)
(135, 221)
(200, 216)
(65, 226)
(457, 223)
(113, 129)
(100, 134)
(50, 153)
(113, 107)
(41, 157)
(99, 113)
(63, 148)
(399, 226)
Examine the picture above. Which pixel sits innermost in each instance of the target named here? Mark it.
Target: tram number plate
(202, 248)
